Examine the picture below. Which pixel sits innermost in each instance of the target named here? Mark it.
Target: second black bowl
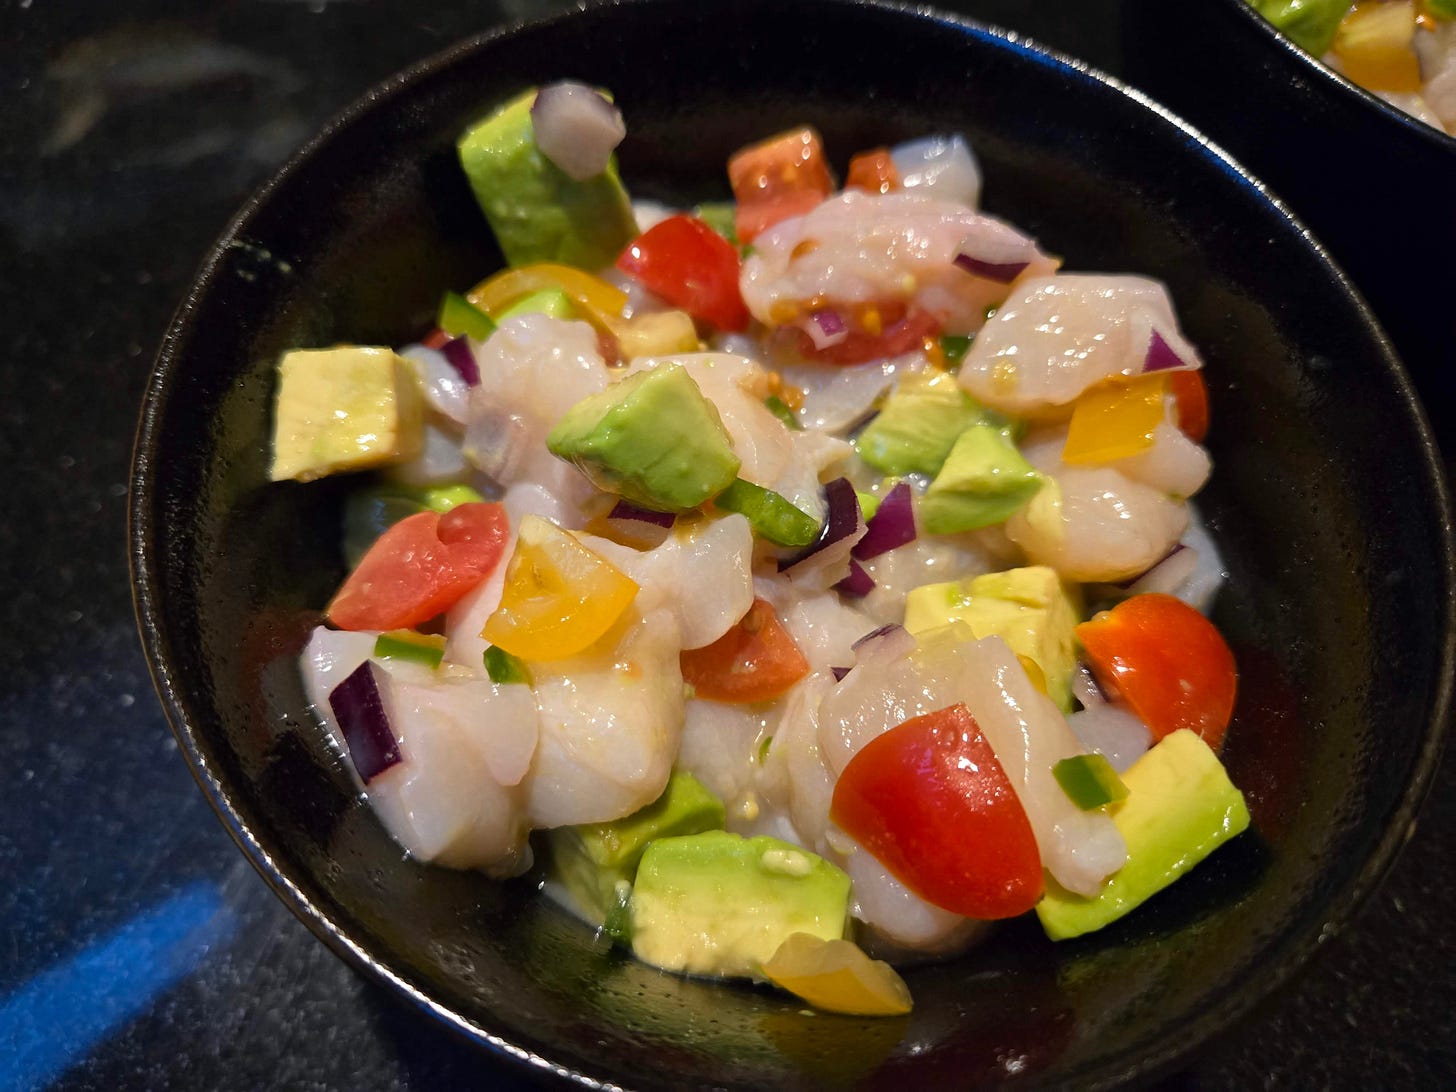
(1327, 500)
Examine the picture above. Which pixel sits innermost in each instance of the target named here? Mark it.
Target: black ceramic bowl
(1374, 184)
(1327, 499)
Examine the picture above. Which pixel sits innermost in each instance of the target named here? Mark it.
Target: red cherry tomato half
(783, 176)
(1167, 661)
(873, 171)
(1190, 396)
(929, 800)
(420, 567)
(898, 331)
(691, 266)
(756, 660)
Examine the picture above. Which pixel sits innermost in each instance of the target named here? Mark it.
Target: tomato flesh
(1190, 397)
(873, 171)
(1167, 661)
(783, 176)
(420, 567)
(754, 661)
(691, 266)
(930, 801)
(897, 331)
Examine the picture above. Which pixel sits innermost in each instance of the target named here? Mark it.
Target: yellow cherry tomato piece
(1116, 419)
(1375, 46)
(599, 301)
(559, 597)
(836, 976)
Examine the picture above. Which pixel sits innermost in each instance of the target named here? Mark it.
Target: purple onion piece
(857, 584)
(576, 128)
(1161, 356)
(629, 511)
(457, 351)
(825, 328)
(875, 633)
(843, 521)
(1000, 272)
(892, 525)
(359, 710)
(840, 672)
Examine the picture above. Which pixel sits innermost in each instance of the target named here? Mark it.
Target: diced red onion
(883, 646)
(576, 128)
(892, 525)
(842, 529)
(840, 672)
(458, 352)
(874, 635)
(1161, 357)
(857, 584)
(825, 328)
(1000, 272)
(629, 511)
(359, 710)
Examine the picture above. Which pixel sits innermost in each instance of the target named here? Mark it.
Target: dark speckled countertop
(138, 949)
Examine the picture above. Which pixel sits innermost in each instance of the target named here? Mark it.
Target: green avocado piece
(918, 425)
(652, 438)
(1180, 807)
(458, 317)
(1310, 23)
(346, 408)
(552, 302)
(1029, 608)
(720, 904)
(596, 862)
(537, 211)
(984, 480)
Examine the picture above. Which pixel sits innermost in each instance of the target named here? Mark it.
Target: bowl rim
(143, 542)
(1339, 82)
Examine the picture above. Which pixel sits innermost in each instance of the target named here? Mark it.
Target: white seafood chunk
(1095, 524)
(702, 573)
(1056, 336)
(823, 624)
(720, 744)
(456, 797)
(611, 720)
(532, 370)
(858, 248)
(900, 922)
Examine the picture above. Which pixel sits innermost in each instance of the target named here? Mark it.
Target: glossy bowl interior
(1327, 500)
(1373, 183)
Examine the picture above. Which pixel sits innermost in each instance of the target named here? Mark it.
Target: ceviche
(1403, 51)
(796, 585)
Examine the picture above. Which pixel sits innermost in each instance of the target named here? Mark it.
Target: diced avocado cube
(592, 861)
(652, 438)
(1029, 608)
(537, 211)
(552, 302)
(771, 515)
(347, 408)
(1180, 807)
(984, 480)
(720, 904)
(918, 425)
